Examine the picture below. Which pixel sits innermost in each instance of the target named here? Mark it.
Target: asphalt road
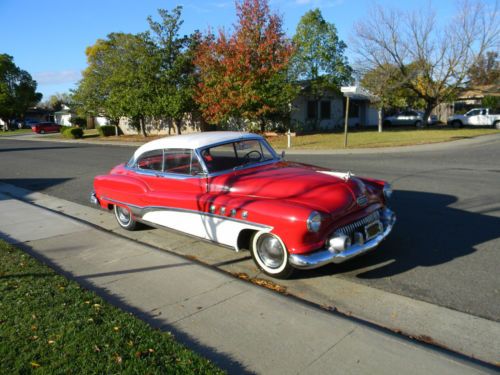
(444, 250)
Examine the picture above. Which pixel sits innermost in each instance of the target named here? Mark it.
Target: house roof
(480, 91)
(193, 141)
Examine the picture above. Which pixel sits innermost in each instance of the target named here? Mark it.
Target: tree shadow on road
(428, 233)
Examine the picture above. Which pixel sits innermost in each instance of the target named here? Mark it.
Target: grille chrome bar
(350, 228)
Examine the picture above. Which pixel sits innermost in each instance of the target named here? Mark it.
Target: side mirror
(283, 154)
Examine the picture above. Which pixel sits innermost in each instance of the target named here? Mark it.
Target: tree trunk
(177, 123)
(142, 126)
(380, 120)
(429, 106)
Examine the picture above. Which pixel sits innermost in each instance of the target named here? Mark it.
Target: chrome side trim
(324, 256)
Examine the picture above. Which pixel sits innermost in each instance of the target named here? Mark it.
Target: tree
(121, 78)
(176, 78)
(319, 54)
(486, 70)
(17, 90)
(244, 75)
(433, 63)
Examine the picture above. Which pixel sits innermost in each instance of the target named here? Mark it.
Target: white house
(64, 116)
(327, 112)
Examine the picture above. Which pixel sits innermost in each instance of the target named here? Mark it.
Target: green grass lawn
(372, 138)
(15, 132)
(52, 325)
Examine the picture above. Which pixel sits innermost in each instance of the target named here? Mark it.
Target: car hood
(318, 188)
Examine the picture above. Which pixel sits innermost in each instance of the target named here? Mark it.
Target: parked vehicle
(476, 117)
(46, 127)
(27, 123)
(411, 118)
(232, 188)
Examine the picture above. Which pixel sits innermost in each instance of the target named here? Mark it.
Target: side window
(151, 160)
(181, 161)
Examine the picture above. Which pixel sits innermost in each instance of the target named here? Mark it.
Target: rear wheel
(456, 124)
(124, 218)
(270, 255)
(42, 131)
(496, 125)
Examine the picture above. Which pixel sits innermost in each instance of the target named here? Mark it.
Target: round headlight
(387, 191)
(314, 222)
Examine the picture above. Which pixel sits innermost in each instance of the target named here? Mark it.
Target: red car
(233, 189)
(46, 127)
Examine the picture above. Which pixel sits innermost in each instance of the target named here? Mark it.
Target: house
(64, 116)
(327, 111)
(472, 97)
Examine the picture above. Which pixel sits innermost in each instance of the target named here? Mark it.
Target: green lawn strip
(15, 132)
(372, 138)
(52, 325)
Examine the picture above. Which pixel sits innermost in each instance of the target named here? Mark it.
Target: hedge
(72, 133)
(106, 130)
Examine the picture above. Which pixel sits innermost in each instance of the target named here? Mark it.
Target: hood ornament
(346, 176)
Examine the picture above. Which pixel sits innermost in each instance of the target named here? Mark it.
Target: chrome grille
(350, 228)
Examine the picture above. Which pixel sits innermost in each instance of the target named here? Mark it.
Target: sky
(48, 38)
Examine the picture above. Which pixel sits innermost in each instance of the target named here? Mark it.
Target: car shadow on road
(428, 232)
(32, 184)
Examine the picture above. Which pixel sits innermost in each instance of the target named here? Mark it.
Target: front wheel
(418, 124)
(270, 255)
(124, 218)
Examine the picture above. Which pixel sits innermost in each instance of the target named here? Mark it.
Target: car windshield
(236, 155)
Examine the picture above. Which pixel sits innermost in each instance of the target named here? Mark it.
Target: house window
(312, 109)
(325, 109)
(353, 108)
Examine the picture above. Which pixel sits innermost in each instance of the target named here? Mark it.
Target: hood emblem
(362, 200)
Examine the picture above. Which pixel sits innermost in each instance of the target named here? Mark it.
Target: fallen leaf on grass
(35, 365)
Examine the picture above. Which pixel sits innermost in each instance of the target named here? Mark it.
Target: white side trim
(209, 227)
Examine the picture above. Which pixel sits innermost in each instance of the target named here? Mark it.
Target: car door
(174, 177)
(473, 117)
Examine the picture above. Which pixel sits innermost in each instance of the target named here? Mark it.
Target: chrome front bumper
(324, 256)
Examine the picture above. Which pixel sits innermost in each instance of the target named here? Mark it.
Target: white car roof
(193, 141)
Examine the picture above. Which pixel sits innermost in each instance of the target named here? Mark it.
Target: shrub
(106, 130)
(72, 133)
(79, 121)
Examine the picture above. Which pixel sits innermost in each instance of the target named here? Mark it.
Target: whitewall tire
(270, 255)
(124, 218)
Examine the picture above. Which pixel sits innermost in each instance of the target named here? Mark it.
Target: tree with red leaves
(243, 76)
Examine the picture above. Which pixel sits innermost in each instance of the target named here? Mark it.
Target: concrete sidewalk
(241, 327)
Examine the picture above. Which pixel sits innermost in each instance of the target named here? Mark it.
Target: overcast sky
(48, 38)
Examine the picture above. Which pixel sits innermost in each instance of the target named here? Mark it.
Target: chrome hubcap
(123, 215)
(270, 251)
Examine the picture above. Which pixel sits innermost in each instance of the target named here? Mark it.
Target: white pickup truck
(476, 117)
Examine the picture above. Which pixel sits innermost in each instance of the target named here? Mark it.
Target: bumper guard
(324, 256)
